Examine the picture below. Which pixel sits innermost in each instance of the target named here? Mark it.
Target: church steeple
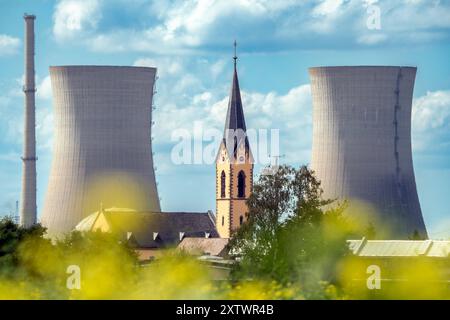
(234, 166)
(235, 115)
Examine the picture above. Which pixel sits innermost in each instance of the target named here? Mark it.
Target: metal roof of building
(400, 248)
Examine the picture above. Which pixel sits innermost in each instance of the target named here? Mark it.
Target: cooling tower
(362, 142)
(102, 151)
(28, 203)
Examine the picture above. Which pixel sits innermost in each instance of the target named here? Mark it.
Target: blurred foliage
(296, 239)
(293, 247)
(35, 267)
(292, 235)
(401, 278)
(11, 237)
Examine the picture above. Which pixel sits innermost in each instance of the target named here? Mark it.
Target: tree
(33, 266)
(370, 232)
(416, 236)
(292, 235)
(11, 236)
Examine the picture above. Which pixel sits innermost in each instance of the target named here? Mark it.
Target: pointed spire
(235, 115)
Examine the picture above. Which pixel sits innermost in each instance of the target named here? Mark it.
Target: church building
(234, 166)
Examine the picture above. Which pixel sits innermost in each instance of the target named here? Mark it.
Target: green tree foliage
(292, 235)
(370, 232)
(11, 236)
(416, 236)
(31, 261)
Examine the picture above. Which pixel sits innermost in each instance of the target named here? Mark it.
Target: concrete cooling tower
(102, 151)
(362, 142)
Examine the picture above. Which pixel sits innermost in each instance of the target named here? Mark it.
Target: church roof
(235, 115)
(153, 229)
(235, 128)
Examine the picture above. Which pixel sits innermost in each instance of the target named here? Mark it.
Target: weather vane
(235, 56)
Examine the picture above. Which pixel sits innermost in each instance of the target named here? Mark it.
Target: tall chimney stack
(28, 203)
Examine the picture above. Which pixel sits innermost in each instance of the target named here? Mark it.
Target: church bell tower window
(241, 184)
(222, 184)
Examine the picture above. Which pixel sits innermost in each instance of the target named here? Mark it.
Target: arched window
(241, 184)
(241, 220)
(222, 185)
(223, 220)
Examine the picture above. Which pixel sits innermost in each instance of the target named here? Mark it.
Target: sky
(190, 42)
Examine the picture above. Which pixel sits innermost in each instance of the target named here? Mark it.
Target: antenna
(277, 158)
(273, 167)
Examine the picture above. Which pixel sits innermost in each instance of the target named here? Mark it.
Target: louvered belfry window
(222, 184)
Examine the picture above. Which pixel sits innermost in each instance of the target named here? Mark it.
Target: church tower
(234, 166)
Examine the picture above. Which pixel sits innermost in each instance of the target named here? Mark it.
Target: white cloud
(431, 122)
(418, 15)
(181, 26)
(8, 45)
(327, 7)
(191, 90)
(73, 17)
(12, 115)
(290, 113)
(217, 68)
(432, 111)
(180, 78)
(165, 66)
(187, 82)
(44, 89)
(372, 39)
(145, 62)
(44, 129)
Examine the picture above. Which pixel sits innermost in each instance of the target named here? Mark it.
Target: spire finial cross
(235, 55)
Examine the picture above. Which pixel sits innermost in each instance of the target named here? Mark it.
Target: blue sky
(191, 44)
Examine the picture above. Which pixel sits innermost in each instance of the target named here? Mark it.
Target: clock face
(241, 158)
(223, 155)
